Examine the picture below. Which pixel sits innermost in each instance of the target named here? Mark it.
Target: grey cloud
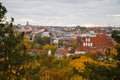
(64, 11)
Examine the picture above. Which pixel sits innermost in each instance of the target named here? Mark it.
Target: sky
(64, 12)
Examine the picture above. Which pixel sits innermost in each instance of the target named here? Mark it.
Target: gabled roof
(99, 44)
(82, 48)
(101, 40)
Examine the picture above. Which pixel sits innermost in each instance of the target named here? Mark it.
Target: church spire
(27, 23)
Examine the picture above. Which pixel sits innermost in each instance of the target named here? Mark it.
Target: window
(91, 44)
(88, 39)
(84, 44)
(88, 44)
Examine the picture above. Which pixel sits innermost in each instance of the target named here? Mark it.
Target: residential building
(90, 44)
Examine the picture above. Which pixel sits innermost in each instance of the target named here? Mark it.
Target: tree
(102, 70)
(36, 46)
(12, 49)
(97, 72)
(42, 40)
(74, 45)
(27, 43)
(50, 47)
(116, 35)
(58, 63)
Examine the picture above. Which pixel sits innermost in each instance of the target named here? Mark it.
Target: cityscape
(60, 46)
(71, 40)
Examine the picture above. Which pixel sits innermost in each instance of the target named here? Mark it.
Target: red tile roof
(102, 40)
(62, 51)
(99, 44)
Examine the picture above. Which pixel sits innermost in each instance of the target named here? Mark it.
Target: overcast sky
(64, 12)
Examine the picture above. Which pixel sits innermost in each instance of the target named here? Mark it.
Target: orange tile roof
(99, 44)
(102, 40)
(62, 51)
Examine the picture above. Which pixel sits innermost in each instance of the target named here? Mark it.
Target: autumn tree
(12, 49)
(103, 70)
(78, 64)
(58, 63)
(116, 36)
(50, 47)
(95, 71)
(27, 42)
(36, 46)
(74, 45)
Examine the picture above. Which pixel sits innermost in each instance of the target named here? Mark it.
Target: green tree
(97, 72)
(12, 49)
(116, 35)
(105, 71)
(116, 70)
(42, 40)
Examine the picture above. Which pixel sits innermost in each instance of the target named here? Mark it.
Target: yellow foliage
(36, 64)
(74, 45)
(113, 51)
(21, 67)
(106, 64)
(79, 64)
(57, 59)
(53, 74)
(26, 42)
(50, 47)
(98, 35)
(13, 71)
(39, 54)
(23, 79)
(36, 46)
(77, 77)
